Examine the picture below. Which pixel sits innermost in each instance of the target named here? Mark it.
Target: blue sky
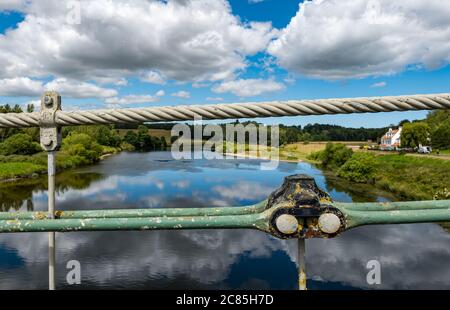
(247, 51)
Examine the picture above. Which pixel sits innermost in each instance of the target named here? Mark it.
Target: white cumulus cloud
(20, 86)
(378, 85)
(131, 99)
(75, 89)
(181, 94)
(190, 40)
(248, 87)
(343, 39)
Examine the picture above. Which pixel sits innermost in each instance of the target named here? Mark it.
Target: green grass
(443, 152)
(412, 177)
(408, 177)
(18, 169)
(21, 166)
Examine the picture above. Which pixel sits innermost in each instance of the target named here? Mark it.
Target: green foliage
(82, 146)
(30, 108)
(103, 134)
(319, 132)
(8, 132)
(440, 138)
(131, 138)
(106, 135)
(442, 194)
(20, 144)
(125, 146)
(143, 141)
(333, 156)
(414, 134)
(359, 168)
(8, 109)
(436, 118)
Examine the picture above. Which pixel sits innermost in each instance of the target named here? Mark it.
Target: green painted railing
(299, 209)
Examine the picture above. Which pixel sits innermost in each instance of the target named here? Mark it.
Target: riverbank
(407, 176)
(22, 157)
(295, 152)
(16, 167)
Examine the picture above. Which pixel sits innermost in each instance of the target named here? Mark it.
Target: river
(412, 256)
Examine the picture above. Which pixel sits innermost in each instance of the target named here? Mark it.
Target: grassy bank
(408, 177)
(11, 170)
(21, 155)
(413, 177)
(299, 151)
(26, 166)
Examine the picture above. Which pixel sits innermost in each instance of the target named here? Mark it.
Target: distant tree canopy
(311, 132)
(414, 134)
(441, 136)
(142, 141)
(6, 108)
(439, 124)
(320, 132)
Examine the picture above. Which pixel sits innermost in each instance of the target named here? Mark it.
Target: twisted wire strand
(235, 110)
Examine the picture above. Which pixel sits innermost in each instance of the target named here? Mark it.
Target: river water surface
(411, 256)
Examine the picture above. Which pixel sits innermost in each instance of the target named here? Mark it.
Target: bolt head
(46, 141)
(48, 101)
(329, 223)
(287, 224)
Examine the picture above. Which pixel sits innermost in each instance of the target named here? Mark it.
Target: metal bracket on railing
(303, 210)
(50, 133)
(51, 138)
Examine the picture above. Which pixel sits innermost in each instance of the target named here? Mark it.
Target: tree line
(87, 141)
(434, 130)
(295, 133)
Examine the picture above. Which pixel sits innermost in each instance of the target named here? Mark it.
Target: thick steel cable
(235, 110)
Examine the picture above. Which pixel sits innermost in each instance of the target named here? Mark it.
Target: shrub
(440, 138)
(103, 134)
(414, 134)
(359, 168)
(125, 146)
(333, 156)
(82, 145)
(131, 138)
(19, 144)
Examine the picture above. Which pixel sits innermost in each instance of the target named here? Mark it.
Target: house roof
(393, 132)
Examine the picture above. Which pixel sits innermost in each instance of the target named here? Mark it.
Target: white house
(391, 138)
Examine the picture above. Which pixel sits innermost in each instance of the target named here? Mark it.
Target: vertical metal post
(50, 136)
(301, 264)
(51, 162)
